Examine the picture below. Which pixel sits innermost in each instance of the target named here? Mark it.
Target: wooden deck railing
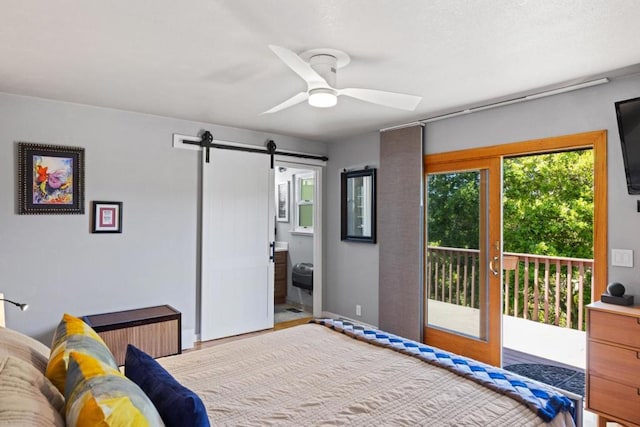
(547, 289)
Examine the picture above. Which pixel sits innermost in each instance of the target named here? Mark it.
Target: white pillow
(27, 397)
(13, 343)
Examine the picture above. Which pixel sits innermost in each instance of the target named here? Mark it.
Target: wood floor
(283, 325)
(291, 323)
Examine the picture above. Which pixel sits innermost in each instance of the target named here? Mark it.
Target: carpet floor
(567, 379)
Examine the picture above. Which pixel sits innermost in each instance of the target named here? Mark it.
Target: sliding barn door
(237, 227)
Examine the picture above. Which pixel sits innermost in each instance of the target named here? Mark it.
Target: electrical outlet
(358, 310)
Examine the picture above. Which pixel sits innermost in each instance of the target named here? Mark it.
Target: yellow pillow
(71, 325)
(72, 334)
(98, 394)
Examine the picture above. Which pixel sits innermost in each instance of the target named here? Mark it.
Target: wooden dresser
(280, 279)
(155, 330)
(613, 363)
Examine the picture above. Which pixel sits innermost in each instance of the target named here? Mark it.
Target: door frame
(595, 140)
(317, 167)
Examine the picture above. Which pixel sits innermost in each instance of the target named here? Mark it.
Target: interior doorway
(298, 242)
(294, 234)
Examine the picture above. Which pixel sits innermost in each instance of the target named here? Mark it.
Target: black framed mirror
(358, 200)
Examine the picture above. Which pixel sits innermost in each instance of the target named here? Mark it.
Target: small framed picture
(282, 203)
(107, 217)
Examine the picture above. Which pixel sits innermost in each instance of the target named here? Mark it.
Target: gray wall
(351, 268)
(351, 276)
(574, 112)
(56, 265)
(300, 246)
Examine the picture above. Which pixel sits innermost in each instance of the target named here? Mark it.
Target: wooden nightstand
(154, 330)
(613, 363)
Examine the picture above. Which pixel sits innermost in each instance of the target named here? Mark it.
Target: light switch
(622, 257)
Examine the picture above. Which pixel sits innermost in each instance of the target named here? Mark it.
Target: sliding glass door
(463, 257)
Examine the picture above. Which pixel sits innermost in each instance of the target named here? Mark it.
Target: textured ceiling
(209, 61)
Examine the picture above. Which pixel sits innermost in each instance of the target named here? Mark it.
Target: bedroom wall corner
(351, 268)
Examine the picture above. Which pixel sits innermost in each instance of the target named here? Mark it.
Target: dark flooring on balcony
(513, 357)
(547, 371)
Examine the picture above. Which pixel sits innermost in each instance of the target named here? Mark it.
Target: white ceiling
(209, 61)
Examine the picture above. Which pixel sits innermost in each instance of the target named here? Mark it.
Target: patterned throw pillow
(99, 395)
(72, 334)
(178, 406)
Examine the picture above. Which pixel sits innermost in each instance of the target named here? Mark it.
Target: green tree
(547, 210)
(548, 204)
(453, 214)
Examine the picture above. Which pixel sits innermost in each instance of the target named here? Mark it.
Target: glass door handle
(491, 265)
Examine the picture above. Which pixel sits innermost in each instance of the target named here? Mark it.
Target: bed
(327, 373)
(318, 375)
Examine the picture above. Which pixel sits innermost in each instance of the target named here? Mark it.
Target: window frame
(298, 201)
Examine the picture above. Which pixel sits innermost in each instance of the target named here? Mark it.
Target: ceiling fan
(318, 68)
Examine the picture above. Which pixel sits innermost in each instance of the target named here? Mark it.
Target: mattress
(311, 375)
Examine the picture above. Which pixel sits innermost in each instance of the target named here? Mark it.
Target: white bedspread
(311, 375)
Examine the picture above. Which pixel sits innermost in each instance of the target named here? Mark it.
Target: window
(305, 189)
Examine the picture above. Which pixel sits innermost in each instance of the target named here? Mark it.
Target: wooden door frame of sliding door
(596, 140)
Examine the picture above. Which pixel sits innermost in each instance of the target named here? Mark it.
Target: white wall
(351, 268)
(574, 112)
(56, 265)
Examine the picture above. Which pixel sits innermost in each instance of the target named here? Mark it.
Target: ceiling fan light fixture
(322, 98)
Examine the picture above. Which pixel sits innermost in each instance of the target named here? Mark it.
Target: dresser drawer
(614, 399)
(614, 328)
(616, 363)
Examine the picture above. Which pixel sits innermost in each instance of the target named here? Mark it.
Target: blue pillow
(176, 404)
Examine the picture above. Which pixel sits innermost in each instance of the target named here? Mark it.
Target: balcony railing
(546, 289)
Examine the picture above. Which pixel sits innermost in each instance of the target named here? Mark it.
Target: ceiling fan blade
(390, 99)
(298, 65)
(295, 99)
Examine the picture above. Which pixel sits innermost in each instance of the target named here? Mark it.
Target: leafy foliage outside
(547, 210)
(548, 204)
(453, 216)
